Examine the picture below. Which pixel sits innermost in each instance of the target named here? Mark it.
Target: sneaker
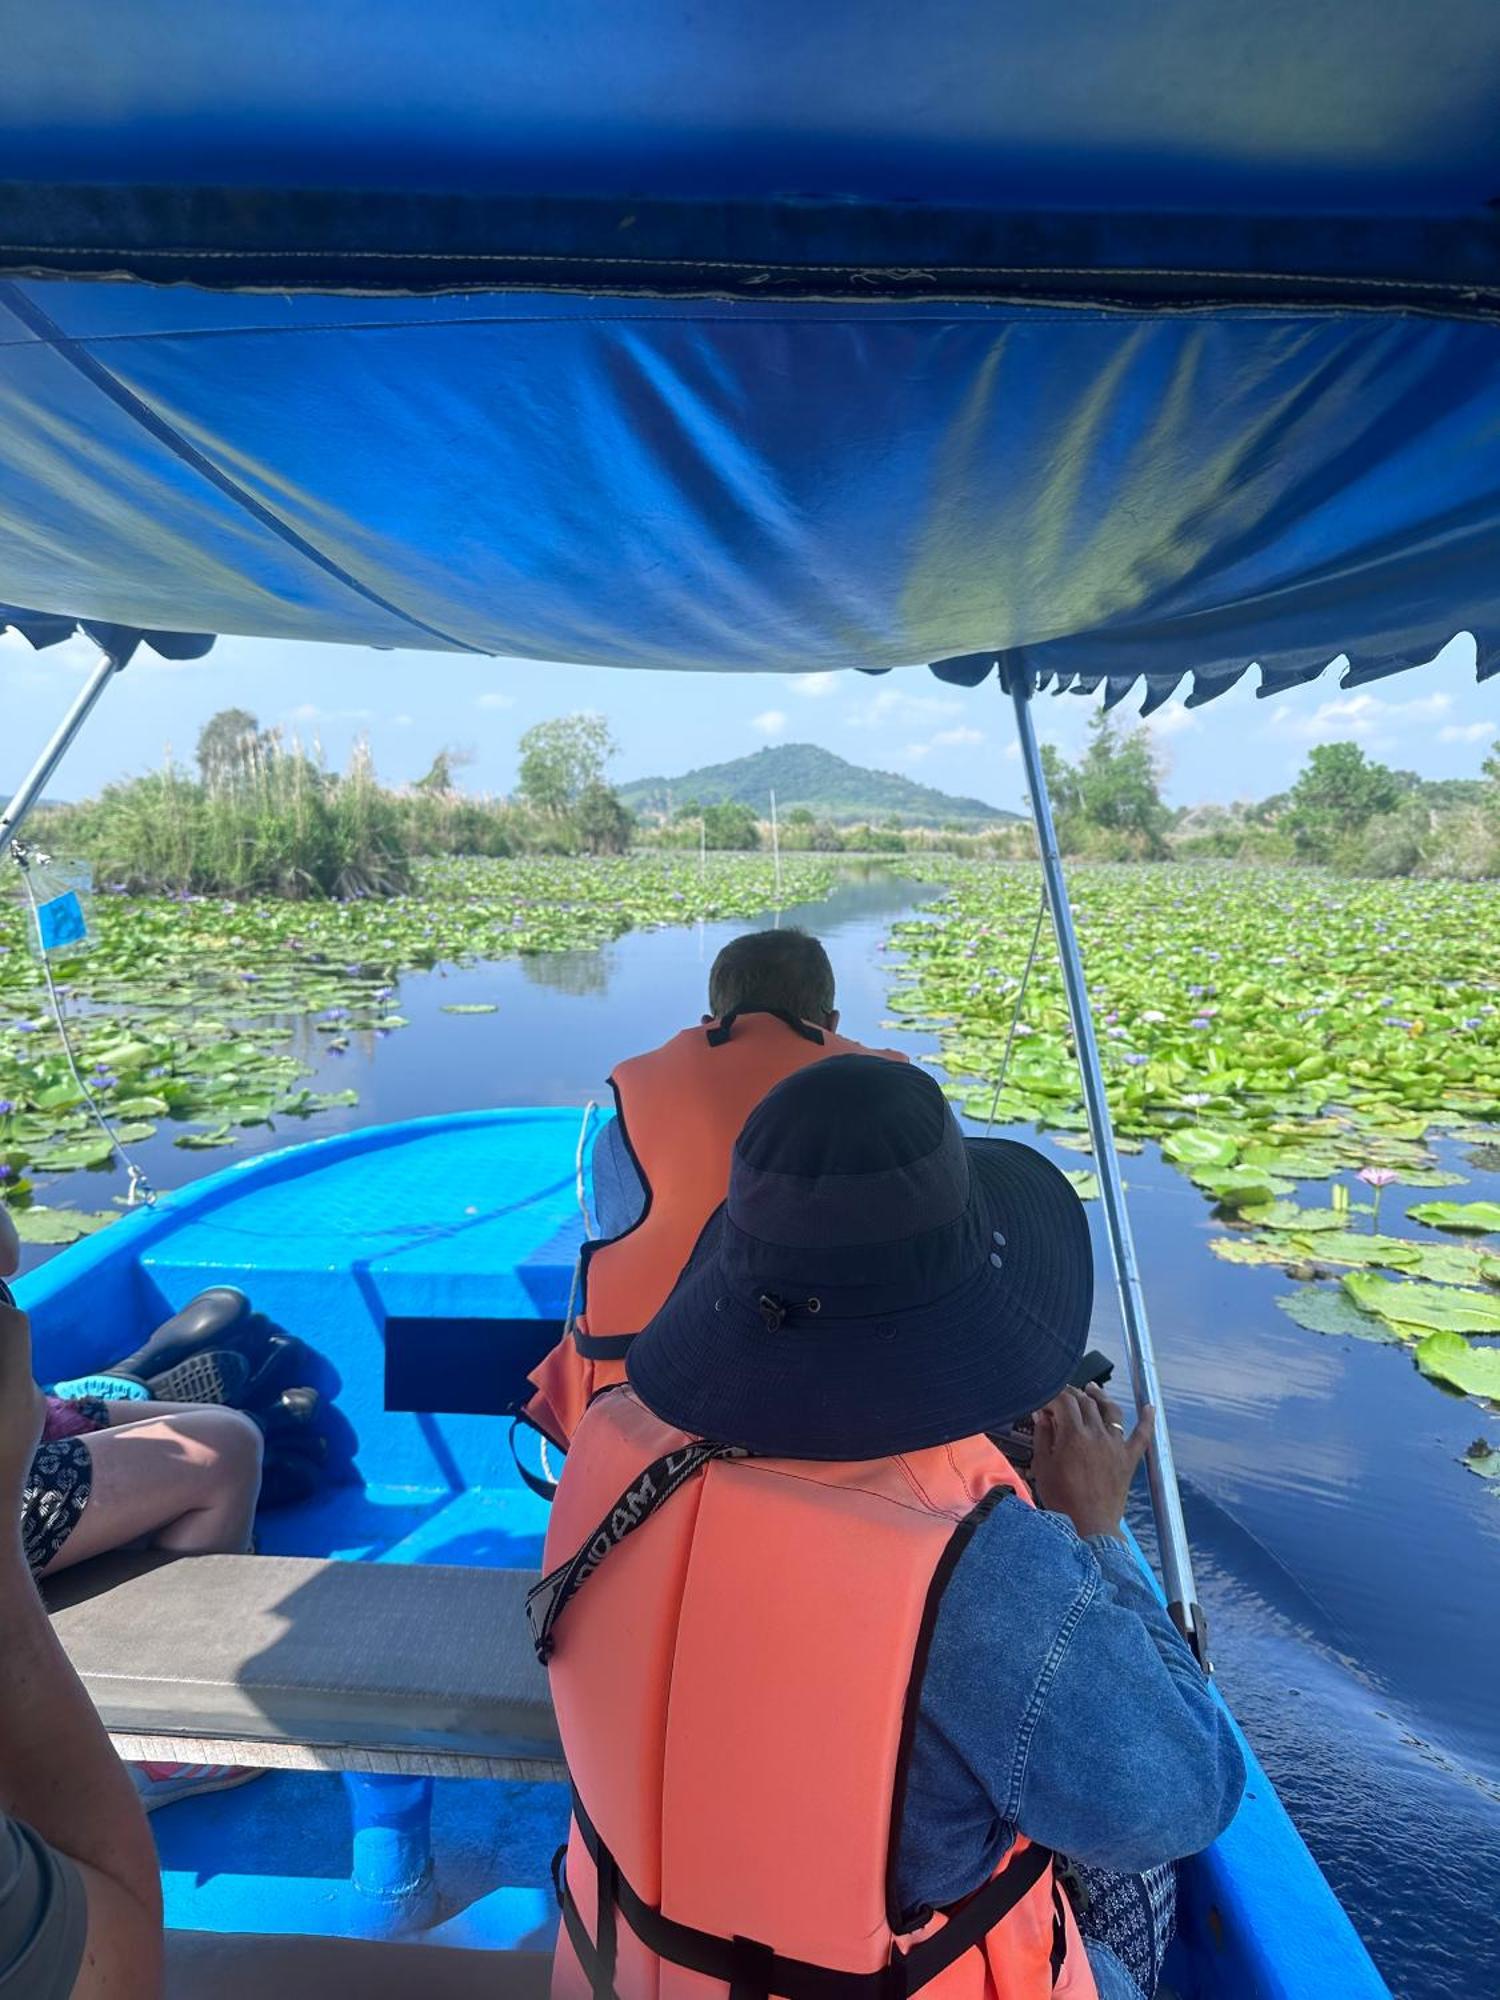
(160, 1785)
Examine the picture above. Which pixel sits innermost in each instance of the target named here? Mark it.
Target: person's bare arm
(58, 1772)
(10, 1245)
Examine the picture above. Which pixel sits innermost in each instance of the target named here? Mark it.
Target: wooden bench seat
(291, 1662)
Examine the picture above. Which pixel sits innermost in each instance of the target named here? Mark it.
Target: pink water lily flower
(1377, 1178)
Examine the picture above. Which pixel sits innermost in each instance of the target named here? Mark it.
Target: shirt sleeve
(1070, 1695)
(43, 1917)
(619, 1196)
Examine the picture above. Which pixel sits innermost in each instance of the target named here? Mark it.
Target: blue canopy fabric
(1127, 344)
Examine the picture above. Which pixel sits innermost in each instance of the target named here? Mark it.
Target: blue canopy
(1126, 342)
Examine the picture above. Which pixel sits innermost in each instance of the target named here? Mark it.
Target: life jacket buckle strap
(753, 1971)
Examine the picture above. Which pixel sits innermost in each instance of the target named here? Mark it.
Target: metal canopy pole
(39, 776)
(1161, 1471)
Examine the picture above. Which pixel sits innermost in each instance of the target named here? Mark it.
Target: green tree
(730, 825)
(1336, 796)
(438, 778)
(1062, 783)
(228, 746)
(604, 825)
(1119, 788)
(561, 759)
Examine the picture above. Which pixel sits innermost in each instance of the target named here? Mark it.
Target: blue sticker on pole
(60, 922)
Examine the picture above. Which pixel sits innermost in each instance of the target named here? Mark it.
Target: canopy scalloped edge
(968, 670)
(42, 629)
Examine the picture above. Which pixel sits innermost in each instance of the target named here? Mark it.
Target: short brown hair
(786, 972)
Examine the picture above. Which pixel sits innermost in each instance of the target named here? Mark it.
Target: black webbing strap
(602, 1346)
(754, 1971)
(721, 1031)
(546, 1601)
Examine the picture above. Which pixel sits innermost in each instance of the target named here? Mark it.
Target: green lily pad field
(1267, 1030)
(181, 1011)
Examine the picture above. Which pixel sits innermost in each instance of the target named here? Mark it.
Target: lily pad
(1327, 1309)
(1479, 1218)
(470, 1007)
(1423, 1307)
(197, 1142)
(1085, 1182)
(1197, 1146)
(1449, 1358)
(1482, 1458)
(1240, 1187)
(59, 1225)
(1250, 1250)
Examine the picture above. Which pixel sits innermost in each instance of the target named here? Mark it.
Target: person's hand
(1083, 1460)
(21, 1410)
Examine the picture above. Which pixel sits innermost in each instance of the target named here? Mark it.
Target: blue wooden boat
(441, 1251)
(1081, 347)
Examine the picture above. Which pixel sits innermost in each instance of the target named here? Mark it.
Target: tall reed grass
(281, 827)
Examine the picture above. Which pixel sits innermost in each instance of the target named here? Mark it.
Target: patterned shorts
(53, 1498)
(1135, 1915)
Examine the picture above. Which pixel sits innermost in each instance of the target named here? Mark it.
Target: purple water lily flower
(1200, 1021)
(1135, 1059)
(6, 1107)
(6, 1173)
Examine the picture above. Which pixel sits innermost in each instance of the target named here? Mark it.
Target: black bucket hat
(875, 1283)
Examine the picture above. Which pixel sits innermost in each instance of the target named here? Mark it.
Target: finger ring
(1118, 1427)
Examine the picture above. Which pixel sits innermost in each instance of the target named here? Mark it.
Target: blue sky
(1434, 720)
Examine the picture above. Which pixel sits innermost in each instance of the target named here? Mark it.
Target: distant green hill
(801, 774)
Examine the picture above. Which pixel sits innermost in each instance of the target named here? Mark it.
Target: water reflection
(573, 972)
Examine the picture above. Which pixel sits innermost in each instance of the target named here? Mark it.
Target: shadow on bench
(298, 1663)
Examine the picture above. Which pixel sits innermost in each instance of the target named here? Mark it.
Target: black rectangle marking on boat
(463, 1367)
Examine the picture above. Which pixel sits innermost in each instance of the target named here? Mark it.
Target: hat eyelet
(997, 1261)
(998, 1238)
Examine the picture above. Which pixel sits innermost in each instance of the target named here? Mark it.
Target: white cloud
(496, 698)
(1466, 732)
(1173, 720)
(944, 739)
(770, 722)
(1364, 717)
(308, 711)
(813, 686)
(403, 721)
(893, 707)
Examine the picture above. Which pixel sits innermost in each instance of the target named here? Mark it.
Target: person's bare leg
(187, 1482)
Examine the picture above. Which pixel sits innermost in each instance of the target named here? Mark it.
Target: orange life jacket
(681, 1108)
(736, 1648)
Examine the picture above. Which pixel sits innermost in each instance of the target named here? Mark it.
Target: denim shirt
(619, 1197)
(1060, 1701)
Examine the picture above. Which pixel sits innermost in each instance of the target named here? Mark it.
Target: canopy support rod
(1161, 1471)
(41, 773)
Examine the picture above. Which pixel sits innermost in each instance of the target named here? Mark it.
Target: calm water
(1349, 1564)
